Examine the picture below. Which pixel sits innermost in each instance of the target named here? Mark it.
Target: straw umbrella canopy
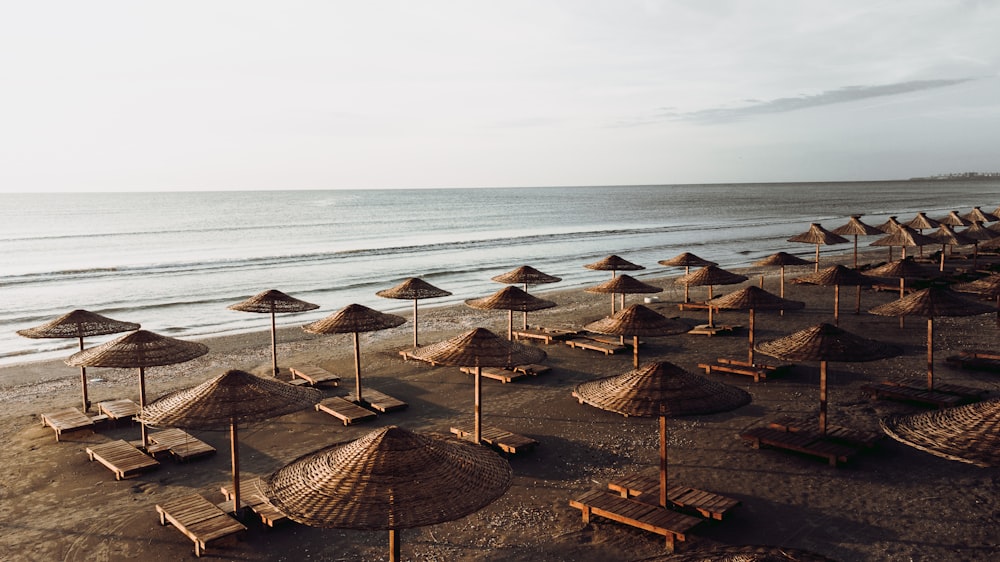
(479, 348)
(780, 259)
(525, 275)
(752, 298)
(354, 319)
(978, 233)
(836, 276)
(922, 221)
(855, 228)
(663, 390)
(987, 287)
(931, 302)
(825, 342)
(979, 215)
(413, 289)
(711, 275)
(389, 479)
(510, 298)
(946, 236)
(225, 401)
(954, 219)
(969, 433)
(904, 237)
(818, 235)
(614, 264)
(79, 324)
(273, 301)
(686, 260)
(140, 349)
(638, 321)
(623, 284)
(902, 269)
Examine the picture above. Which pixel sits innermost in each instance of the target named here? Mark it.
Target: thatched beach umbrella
(638, 321)
(479, 348)
(902, 269)
(825, 342)
(140, 349)
(752, 298)
(836, 276)
(969, 433)
(818, 235)
(354, 319)
(79, 324)
(931, 302)
(922, 222)
(614, 264)
(711, 275)
(855, 228)
(663, 390)
(904, 237)
(978, 233)
(780, 259)
(225, 401)
(888, 227)
(686, 260)
(987, 287)
(946, 236)
(954, 219)
(272, 302)
(389, 479)
(623, 285)
(979, 215)
(510, 298)
(413, 289)
(525, 275)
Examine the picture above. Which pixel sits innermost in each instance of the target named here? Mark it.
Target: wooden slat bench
(181, 444)
(532, 369)
(495, 373)
(595, 345)
(66, 421)
(121, 409)
(720, 329)
(251, 496)
(344, 410)
(122, 458)
(199, 519)
(894, 391)
(378, 401)
(313, 375)
(647, 489)
(407, 354)
(510, 443)
(802, 442)
(673, 525)
(735, 367)
(545, 335)
(854, 437)
(976, 360)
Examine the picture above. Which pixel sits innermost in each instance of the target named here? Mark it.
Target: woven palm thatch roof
(510, 298)
(78, 324)
(905, 268)
(946, 235)
(141, 348)
(979, 233)
(711, 275)
(413, 288)
(273, 300)
(922, 221)
(979, 215)
(818, 235)
(904, 236)
(624, 284)
(744, 554)
(890, 225)
(480, 347)
(988, 287)
(354, 318)
(854, 227)
(661, 389)
(780, 259)
(614, 263)
(389, 479)
(232, 397)
(638, 320)
(825, 342)
(954, 219)
(932, 302)
(686, 259)
(836, 275)
(754, 298)
(969, 433)
(526, 275)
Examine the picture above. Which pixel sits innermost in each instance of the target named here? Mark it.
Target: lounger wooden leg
(670, 543)
(586, 515)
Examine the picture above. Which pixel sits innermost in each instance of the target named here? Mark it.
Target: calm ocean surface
(174, 261)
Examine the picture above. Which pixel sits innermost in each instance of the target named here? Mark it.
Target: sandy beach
(892, 503)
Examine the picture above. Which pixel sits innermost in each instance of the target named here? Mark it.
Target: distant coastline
(960, 176)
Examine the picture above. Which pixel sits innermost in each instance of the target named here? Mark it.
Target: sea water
(174, 261)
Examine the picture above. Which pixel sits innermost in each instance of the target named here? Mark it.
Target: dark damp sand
(894, 503)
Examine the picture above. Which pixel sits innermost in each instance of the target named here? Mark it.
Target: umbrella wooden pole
(612, 304)
(902, 293)
(274, 344)
(930, 353)
(235, 452)
(635, 351)
(941, 267)
(394, 545)
(750, 352)
(142, 406)
(711, 322)
(477, 430)
(415, 344)
(525, 316)
(822, 397)
(782, 290)
(857, 301)
(663, 461)
(83, 382)
(855, 251)
(817, 259)
(687, 288)
(510, 325)
(836, 305)
(357, 367)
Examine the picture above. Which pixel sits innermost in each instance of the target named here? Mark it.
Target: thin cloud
(781, 105)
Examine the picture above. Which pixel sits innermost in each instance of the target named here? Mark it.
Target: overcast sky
(178, 95)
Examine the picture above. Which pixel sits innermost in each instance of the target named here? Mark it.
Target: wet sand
(891, 503)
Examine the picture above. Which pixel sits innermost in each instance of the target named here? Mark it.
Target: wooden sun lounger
(976, 360)
(542, 335)
(344, 410)
(595, 345)
(510, 443)
(495, 373)
(122, 458)
(915, 394)
(122, 408)
(407, 354)
(67, 420)
(735, 367)
(673, 525)
(853, 437)
(693, 306)
(378, 401)
(181, 444)
(199, 519)
(647, 489)
(532, 369)
(805, 442)
(313, 375)
(719, 329)
(251, 496)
